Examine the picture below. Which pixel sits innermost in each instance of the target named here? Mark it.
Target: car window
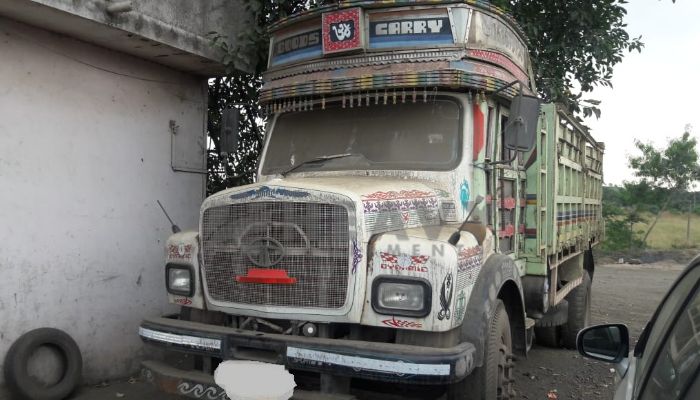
(672, 369)
(694, 390)
(664, 319)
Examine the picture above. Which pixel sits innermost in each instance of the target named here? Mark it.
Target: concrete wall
(85, 151)
(169, 32)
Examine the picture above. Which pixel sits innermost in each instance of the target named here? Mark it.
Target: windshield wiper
(319, 160)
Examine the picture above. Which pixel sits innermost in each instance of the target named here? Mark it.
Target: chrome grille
(316, 245)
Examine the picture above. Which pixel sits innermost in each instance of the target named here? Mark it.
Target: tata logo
(342, 31)
(265, 252)
(411, 27)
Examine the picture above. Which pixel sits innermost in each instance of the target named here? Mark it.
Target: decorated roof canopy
(402, 48)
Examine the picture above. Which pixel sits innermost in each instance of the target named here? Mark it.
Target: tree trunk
(631, 236)
(656, 219)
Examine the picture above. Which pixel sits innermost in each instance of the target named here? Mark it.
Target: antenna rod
(454, 238)
(173, 226)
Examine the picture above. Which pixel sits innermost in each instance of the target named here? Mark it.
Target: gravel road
(621, 293)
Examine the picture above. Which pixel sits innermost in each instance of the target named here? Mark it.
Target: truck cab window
(415, 136)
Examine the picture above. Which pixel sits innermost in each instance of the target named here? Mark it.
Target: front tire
(494, 379)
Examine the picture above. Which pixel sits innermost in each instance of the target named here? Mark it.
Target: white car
(666, 360)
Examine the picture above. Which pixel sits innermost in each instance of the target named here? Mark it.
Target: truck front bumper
(386, 362)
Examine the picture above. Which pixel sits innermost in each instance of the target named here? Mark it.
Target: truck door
(506, 189)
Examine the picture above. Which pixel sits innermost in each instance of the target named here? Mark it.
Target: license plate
(254, 380)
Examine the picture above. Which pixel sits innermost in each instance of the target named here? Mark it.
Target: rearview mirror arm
(499, 90)
(500, 162)
(515, 153)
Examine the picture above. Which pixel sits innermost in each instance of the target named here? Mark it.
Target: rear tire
(579, 311)
(548, 336)
(494, 379)
(547, 328)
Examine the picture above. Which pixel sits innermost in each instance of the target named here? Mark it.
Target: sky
(655, 93)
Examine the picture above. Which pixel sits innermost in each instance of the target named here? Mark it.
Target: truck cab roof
(403, 49)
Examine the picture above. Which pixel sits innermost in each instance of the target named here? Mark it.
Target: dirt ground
(621, 293)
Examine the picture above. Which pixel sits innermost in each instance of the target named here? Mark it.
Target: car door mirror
(609, 343)
(228, 138)
(521, 129)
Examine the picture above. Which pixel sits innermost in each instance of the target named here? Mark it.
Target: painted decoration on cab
(296, 48)
(445, 297)
(387, 211)
(468, 266)
(403, 200)
(399, 323)
(356, 256)
(403, 262)
(464, 194)
(181, 251)
(268, 192)
(410, 32)
(468, 258)
(460, 306)
(394, 195)
(183, 301)
(448, 211)
(342, 31)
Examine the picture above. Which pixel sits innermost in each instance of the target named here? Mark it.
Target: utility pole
(691, 201)
(691, 209)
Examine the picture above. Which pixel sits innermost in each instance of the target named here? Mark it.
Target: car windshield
(411, 136)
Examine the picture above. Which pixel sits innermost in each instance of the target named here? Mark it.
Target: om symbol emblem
(342, 30)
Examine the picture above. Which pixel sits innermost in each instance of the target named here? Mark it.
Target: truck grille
(308, 240)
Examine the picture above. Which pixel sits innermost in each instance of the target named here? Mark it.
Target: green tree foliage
(238, 168)
(624, 207)
(242, 90)
(669, 171)
(574, 46)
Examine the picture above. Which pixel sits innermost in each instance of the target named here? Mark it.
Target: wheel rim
(505, 372)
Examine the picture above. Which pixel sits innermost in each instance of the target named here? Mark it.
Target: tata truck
(418, 215)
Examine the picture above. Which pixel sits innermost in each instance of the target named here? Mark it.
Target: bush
(619, 235)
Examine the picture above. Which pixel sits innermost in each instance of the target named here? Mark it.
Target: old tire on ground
(494, 379)
(25, 386)
(579, 311)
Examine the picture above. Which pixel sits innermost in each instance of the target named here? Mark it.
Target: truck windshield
(407, 136)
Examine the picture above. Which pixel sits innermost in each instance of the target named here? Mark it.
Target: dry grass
(670, 231)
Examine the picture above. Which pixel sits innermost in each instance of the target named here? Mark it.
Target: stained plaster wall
(85, 152)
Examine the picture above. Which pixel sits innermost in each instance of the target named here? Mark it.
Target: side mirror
(609, 343)
(228, 138)
(521, 129)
